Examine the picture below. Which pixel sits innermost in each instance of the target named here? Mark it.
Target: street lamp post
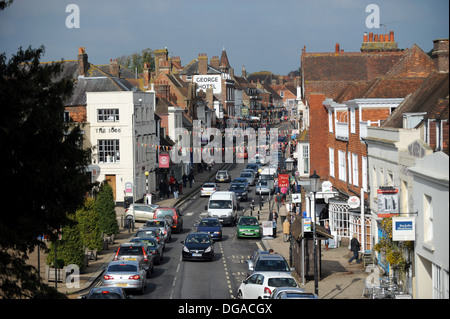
(314, 180)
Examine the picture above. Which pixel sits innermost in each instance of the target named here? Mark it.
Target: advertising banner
(164, 160)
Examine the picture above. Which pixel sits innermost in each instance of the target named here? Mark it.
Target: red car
(172, 215)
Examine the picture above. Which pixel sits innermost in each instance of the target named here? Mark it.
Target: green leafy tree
(136, 60)
(43, 165)
(70, 249)
(105, 207)
(89, 223)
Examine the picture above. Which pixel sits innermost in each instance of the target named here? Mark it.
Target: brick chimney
(83, 64)
(114, 68)
(202, 64)
(214, 62)
(160, 55)
(162, 89)
(146, 75)
(337, 49)
(440, 54)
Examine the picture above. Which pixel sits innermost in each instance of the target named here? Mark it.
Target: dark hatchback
(241, 191)
(198, 246)
(211, 226)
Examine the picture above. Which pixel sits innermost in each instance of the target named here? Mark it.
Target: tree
(105, 207)
(137, 60)
(89, 223)
(43, 165)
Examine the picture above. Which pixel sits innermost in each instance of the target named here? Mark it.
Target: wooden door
(111, 180)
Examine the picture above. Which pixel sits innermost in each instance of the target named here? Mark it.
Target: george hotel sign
(205, 82)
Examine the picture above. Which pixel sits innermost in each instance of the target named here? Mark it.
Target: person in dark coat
(191, 179)
(354, 247)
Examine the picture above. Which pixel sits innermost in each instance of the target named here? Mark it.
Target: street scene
(165, 174)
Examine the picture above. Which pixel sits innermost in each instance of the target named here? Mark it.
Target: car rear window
(164, 212)
(154, 223)
(130, 251)
(145, 233)
(272, 265)
(105, 295)
(122, 268)
(282, 282)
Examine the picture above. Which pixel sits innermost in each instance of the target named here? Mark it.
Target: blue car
(211, 226)
(241, 180)
(240, 189)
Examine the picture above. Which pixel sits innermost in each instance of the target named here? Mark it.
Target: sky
(262, 35)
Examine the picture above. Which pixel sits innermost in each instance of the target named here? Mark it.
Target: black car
(241, 191)
(198, 246)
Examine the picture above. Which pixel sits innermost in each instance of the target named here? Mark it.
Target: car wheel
(239, 295)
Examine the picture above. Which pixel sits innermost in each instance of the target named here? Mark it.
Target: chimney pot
(371, 37)
(391, 36)
(365, 37)
(337, 49)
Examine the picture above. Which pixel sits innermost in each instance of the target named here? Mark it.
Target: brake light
(108, 277)
(145, 255)
(267, 291)
(135, 277)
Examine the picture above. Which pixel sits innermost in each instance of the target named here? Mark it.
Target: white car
(261, 284)
(140, 212)
(208, 188)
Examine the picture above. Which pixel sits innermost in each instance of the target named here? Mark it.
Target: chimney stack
(214, 62)
(440, 54)
(83, 64)
(202, 63)
(146, 74)
(114, 68)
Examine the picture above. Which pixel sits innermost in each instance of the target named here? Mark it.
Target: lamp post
(314, 180)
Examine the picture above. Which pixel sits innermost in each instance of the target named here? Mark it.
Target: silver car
(136, 252)
(208, 188)
(140, 212)
(163, 225)
(127, 274)
(263, 187)
(152, 232)
(249, 176)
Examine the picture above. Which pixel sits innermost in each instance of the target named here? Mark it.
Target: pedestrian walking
(354, 247)
(327, 228)
(279, 200)
(191, 179)
(175, 188)
(286, 230)
(184, 179)
(283, 213)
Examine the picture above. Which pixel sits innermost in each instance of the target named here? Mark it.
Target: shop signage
(267, 227)
(128, 187)
(353, 202)
(205, 82)
(403, 229)
(107, 130)
(387, 202)
(164, 160)
(307, 224)
(283, 180)
(296, 198)
(327, 187)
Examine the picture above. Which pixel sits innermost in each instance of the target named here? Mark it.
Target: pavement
(339, 280)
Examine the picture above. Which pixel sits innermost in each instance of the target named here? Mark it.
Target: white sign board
(296, 198)
(354, 202)
(208, 82)
(403, 229)
(267, 227)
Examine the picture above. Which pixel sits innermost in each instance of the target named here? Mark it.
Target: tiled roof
(430, 97)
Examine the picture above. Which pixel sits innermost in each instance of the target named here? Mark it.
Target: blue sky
(259, 34)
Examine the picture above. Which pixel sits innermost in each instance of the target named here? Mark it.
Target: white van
(224, 206)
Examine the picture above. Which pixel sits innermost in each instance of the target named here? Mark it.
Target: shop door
(111, 180)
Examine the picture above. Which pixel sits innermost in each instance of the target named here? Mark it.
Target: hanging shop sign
(403, 229)
(164, 160)
(353, 202)
(283, 180)
(387, 202)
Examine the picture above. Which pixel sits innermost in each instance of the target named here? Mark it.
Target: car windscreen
(198, 239)
(235, 187)
(151, 242)
(282, 282)
(209, 186)
(122, 268)
(246, 175)
(248, 222)
(220, 204)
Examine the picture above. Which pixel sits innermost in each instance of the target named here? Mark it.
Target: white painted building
(123, 137)
(431, 200)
